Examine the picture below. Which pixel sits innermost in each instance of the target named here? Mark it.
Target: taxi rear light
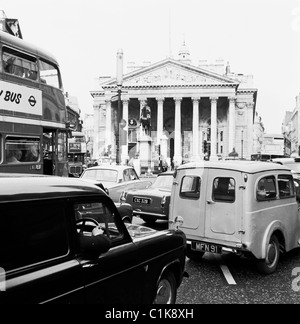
(163, 201)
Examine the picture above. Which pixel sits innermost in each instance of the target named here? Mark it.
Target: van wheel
(166, 289)
(269, 264)
(193, 255)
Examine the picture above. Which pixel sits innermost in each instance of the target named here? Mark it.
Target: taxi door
(224, 205)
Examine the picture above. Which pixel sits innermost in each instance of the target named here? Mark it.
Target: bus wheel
(193, 255)
(269, 264)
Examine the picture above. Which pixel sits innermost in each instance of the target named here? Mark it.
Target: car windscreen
(101, 175)
(163, 182)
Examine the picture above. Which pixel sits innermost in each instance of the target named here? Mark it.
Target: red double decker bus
(33, 133)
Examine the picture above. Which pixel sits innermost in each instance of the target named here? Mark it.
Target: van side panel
(263, 218)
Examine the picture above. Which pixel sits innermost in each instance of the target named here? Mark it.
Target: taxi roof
(16, 187)
(236, 165)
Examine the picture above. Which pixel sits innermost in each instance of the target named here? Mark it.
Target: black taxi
(63, 241)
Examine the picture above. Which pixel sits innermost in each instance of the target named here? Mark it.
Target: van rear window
(224, 190)
(190, 187)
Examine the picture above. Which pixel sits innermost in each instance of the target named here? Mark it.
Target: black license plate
(139, 200)
(206, 247)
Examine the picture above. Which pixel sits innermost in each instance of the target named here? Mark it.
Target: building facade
(290, 129)
(195, 112)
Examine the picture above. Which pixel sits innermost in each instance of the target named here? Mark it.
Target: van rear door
(188, 199)
(224, 205)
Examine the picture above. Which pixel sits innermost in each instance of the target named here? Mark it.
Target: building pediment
(172, 73)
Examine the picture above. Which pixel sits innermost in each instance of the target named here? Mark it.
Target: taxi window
(223, 190)
(266, 189)
(95, 218)
(190, 187)
(32, 234)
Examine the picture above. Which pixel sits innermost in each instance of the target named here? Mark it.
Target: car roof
(236, 165)
(166, 173)
(110, 167)
(286, 160)
(31, 187)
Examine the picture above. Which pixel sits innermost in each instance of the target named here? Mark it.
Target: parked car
(63, 241)
(115, 179)
(152, 203)
(246, 208)
(292, 163)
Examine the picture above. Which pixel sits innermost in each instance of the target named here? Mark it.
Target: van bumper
(234, 247)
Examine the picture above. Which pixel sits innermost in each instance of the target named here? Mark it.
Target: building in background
(286, 130)
(196, 111)
(88, 130)
(73, 117)
(290, 129)
(258, 134)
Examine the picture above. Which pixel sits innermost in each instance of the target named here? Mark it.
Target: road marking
(227, 274)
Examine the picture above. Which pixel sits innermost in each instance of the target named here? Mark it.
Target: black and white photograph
(150, 154)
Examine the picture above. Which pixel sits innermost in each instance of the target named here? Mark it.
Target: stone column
(160, 119)
(213, 135)
(177, 137)
(248, 134)
(108, 125)
(231, 125)
(124, 154)
(196, 139)
(96, 132)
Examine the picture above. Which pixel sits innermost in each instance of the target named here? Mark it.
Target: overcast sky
(258, 37)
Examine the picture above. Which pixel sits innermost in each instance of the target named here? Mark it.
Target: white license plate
(139, 200)
(206, 247)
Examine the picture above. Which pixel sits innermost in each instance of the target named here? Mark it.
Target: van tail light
(163, 201)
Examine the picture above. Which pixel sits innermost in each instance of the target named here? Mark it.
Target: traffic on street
(173, 182)
(231, 279)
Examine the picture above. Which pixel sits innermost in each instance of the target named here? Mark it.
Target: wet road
(229, 279)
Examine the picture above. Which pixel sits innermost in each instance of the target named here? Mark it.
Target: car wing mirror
(95, 245)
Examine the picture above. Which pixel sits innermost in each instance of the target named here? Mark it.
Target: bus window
(49, 74)
(22, 149)
(19, 64)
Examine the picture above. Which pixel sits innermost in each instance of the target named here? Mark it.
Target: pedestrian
(137, 164)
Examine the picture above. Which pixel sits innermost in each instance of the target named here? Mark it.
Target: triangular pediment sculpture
(171, 72)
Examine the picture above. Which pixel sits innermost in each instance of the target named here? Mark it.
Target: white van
(246, 207)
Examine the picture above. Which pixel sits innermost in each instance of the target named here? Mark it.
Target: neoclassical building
(195, 111)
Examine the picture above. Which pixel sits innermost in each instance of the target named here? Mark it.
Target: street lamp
(119, 111)
(242, 141)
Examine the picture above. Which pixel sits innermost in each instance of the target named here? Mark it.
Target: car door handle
(210, 202)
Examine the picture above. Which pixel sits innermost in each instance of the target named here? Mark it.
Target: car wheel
(269, 264)
(193, 255)
(166, 289)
